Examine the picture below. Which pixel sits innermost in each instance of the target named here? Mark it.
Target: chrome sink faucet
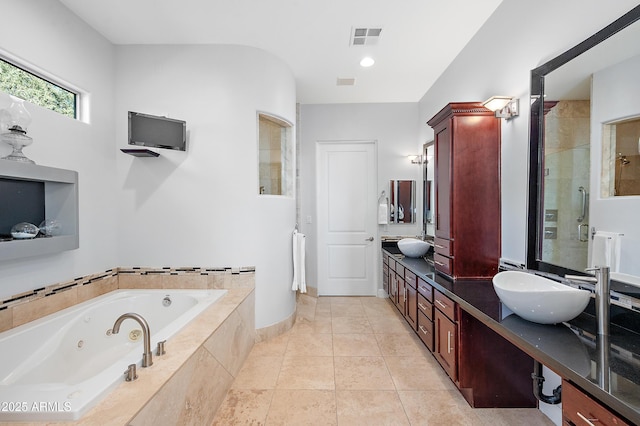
(603, 297)
(147, 358)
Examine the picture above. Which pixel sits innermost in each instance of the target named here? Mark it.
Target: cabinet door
(445, 344)
(411, 306)
(402, 295)
(443, 182)
(385, 277)
(393, 287)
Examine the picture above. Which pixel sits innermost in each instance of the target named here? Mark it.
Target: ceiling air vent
(346, 81)
(365, 36)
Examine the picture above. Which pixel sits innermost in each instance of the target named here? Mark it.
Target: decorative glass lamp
(14, 121)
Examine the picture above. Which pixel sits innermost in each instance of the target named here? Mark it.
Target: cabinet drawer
(385, 259)
(443, 246)
(410, 278)
(425, 330)
(400, 270)
(425, 289)
(580, 409)
(444, 304)
(425, 306)
(392, 264)
(443, 264)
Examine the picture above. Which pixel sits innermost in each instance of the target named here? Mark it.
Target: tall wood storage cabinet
(467, 167)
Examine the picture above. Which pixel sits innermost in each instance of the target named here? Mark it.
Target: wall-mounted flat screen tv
(157, 132)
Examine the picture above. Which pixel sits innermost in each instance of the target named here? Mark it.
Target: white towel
(383, 213)
(605, 250)
(299, 282)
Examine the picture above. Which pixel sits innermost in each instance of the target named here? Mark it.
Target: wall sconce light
(416, 159)
(503, 106)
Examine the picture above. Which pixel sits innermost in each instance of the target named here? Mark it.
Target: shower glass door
(566, 184)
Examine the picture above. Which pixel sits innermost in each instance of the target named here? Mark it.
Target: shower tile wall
(567, 162)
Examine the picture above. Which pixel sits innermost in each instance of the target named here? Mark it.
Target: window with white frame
(26, 85)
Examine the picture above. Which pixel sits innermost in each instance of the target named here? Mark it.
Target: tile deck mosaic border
(134, 277)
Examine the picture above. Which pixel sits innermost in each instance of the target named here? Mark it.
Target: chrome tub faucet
(147, 358)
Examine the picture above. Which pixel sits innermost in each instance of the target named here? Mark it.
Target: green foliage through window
(24, 85)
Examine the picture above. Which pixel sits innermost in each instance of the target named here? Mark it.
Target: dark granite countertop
(608, 369)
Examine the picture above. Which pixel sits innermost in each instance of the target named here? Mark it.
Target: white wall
(44, 35)
(394, 128)
(201, 207)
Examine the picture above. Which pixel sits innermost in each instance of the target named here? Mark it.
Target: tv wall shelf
(140, 152)
(58, 200)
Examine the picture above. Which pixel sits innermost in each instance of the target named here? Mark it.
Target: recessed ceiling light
(367, 62)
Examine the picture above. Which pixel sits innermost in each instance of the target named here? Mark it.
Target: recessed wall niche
(621, 158)
(32, 193)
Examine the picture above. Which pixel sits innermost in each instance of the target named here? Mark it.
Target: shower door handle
(583, 237)
(584, 203)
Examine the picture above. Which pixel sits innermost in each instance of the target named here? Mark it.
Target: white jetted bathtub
(59, 366)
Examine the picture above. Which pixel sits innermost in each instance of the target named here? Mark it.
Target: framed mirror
(402, 201)
(579, 101)
(428, 192)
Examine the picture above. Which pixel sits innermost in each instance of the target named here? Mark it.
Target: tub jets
(147, 357)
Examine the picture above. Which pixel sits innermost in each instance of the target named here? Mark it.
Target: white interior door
(346, 203)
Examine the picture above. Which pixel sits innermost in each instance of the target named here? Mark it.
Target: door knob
(369, 239)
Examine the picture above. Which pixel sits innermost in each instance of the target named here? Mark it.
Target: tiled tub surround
(191, 380)
(69, 359)
(25, 307)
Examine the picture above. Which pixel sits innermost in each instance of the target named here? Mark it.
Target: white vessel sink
(539, 299)
(413, 247)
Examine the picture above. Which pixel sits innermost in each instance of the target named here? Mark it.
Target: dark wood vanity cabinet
(467, 170)
(411, 299)
(425, 313)
(385, 272)
(446, 334)
(402, 290)
(488, 370)
(579, 409)
(391, 279)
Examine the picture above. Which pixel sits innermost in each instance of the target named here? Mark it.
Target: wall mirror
(428, 193)
(580, 100)
(402, 201)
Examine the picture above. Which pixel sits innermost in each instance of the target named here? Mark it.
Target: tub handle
(160, 349)
(130, 374)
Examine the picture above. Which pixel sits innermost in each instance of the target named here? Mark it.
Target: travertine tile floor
(352, 361)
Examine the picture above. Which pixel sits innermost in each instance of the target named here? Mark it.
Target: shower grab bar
(584, 203)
